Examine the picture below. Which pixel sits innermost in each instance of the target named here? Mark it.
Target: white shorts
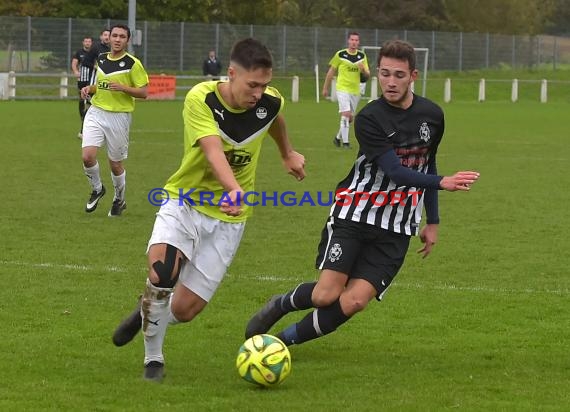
(208, 244)
(347, 102)
(111, 128)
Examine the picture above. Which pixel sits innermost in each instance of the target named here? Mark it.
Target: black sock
(319, 322)
(82, 109)
(299, 298)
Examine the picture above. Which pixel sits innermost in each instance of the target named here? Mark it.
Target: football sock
(82, 109)
(344, 128)
(319, 322)
(119, 183)
(156, 315)
(299, 298)
(92, 174)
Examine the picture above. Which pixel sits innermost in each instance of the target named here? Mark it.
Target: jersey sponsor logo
(335, 252)
(238, 158)
(261, 113)
(220, 113)
(103, 84)
(424, 132)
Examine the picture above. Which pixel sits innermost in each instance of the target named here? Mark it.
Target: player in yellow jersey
(350, 64)
(120, 78)
(197, 231)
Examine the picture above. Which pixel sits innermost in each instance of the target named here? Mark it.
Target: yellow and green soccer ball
(264, 360)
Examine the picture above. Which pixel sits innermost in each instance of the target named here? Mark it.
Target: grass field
(481, 325)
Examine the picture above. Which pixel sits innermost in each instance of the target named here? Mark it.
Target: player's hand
(294, 163)
(85, 92)
(326, 92)
(428, 236)
(117, 87)
(459, 181)
(233, 206)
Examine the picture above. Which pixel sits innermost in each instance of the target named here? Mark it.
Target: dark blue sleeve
(431, 202)
(389, 162)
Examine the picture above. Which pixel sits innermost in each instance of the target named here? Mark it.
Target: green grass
(482, 324)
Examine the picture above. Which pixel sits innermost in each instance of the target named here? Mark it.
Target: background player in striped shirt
(193, 241)
(379, 207)
(82, 69)
(350, 64)
(120, 78)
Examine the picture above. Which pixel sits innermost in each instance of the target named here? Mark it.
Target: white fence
(63, 82)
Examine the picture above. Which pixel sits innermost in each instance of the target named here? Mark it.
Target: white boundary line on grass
(279, 278)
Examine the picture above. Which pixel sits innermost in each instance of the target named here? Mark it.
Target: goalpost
(420, 51)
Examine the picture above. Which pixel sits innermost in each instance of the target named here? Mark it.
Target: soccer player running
(82, 68)
(120, 78)
(379, 207)
(194, 241)
(351, 64)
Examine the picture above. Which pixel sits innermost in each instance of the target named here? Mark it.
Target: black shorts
(362, 251)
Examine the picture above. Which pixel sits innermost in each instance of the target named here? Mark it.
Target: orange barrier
(161, 87)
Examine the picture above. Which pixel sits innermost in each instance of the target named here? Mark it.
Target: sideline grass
(482, 324)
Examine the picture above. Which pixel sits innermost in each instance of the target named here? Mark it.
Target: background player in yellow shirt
(349, 64)
(194, 240)
(120, 77)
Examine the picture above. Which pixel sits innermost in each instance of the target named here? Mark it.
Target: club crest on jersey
(261, 113)
(122, 64)
(424, 132)
(335, 252)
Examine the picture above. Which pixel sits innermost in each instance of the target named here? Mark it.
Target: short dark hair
(122, 26)
(251, 54)
(400, 50)
(353, 33)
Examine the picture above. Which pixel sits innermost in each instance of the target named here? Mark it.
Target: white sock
(93, 176)
(344, 128)
(156, 316)
(119, 182)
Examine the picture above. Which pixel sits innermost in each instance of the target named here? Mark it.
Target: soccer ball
(264, 360)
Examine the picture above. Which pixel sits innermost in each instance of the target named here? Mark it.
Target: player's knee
(185, 311)
(89, 159)
(164, 273)
(322, 298)
(353, 304)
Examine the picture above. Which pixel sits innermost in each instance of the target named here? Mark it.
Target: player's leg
(278, 306)
(380, 258)
(82, 106)
(327, 316)
(172, 241)
(93, 138)
(309, 295)
(200, 276)
(344, 108)
(165, 264)
(117, 138)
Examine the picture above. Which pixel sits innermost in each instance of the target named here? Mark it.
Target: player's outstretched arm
(459, 181)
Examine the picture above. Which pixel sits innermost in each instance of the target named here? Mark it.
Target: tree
(505, 16)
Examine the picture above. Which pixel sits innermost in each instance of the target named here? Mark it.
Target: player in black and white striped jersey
(378, 206)
(102, 47)
(82, 67)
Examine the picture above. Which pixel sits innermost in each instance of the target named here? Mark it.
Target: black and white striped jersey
(367, 194)
(85, 66)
